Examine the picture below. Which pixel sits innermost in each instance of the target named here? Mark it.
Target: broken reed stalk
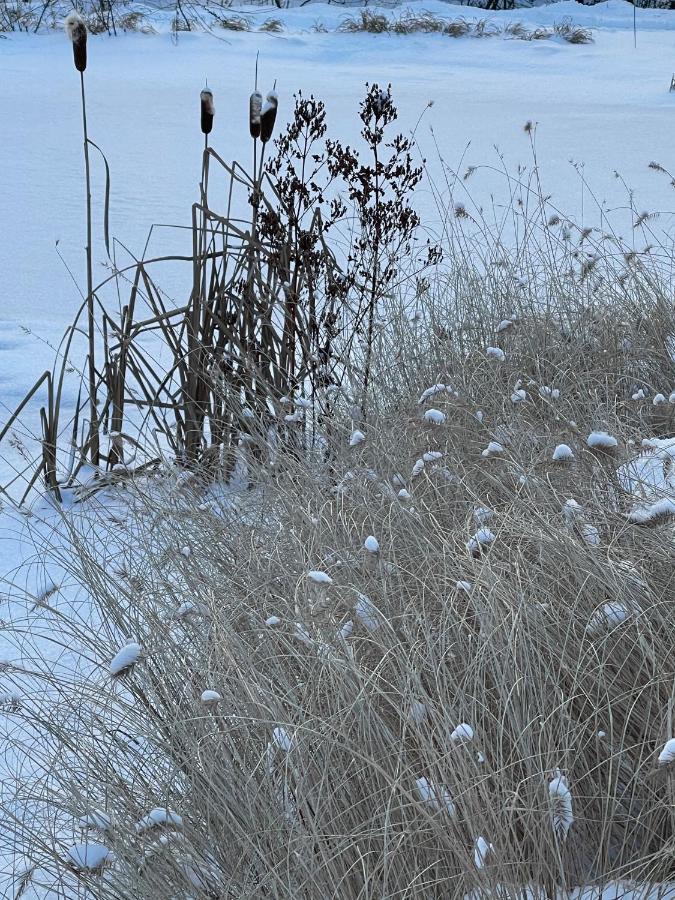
(77, 32)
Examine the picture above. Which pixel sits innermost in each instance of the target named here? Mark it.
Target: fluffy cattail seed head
(208, 110)
(268, 116)
(254, 112)
(77, 34)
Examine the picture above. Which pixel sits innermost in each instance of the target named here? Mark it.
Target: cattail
(208, 110)
(77, 34)
(254, 113)
(268, 116)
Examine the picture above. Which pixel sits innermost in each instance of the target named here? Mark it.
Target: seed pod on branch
(208, 110)
(254, 112)
(77, 34)
(268, 116)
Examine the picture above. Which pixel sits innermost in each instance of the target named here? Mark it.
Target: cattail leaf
(106, 200)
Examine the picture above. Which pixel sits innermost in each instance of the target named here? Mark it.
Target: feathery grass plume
(268, 116)
(254, 113)
(208, 110)
(77, 34)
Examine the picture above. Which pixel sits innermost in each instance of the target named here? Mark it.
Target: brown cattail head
(208, 110)
(254, 111)
(268, 116)
(77, 33)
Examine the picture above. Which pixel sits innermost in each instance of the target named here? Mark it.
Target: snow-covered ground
(604, 107)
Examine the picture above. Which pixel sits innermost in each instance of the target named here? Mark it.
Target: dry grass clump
(411, 663)
(573, 34)
(425, 22)
(273, 26)
(234, 23)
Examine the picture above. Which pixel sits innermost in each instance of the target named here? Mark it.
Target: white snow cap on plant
(403, 494)
(610, 615)
(563, 453)
(371, 544)
(601, 440)
(667, 755)
(417, 712)
(546, 391)
(282, 739)
(494, 448)
(661, 509)
(185, 551)
(481, 850)
(89, 857)
(479, 415)
(638, 395)
(561, 806)
(318, 577)
(417, 468)
(436, 797)
(572, 511)
(590, 534)
(519, 396)
(432, 456)
(272, 621)
(97, 820)
(434, 417)
(464, 586)
(367, 613)
(435, 389)
(346, 629)
(658, 399)
(159, 817)
(504, 325)
(462, 734)
(482, 538)
(483, 514)
(358, 437)
(125, 659)
(495, 353)
(302, 403)
(297, 416)
(211, 698)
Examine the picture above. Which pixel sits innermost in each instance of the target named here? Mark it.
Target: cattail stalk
(77, 32)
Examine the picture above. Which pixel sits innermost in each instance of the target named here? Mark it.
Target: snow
(434, 417)
(159, 817)
(495, 353)
(601, 440)
(125, 659)
(282, 739)
(357, 437)
(211, 698)
(494, 448)
(563, 453)
(667, 755)
(371, 544)
(463, 733)
(318, 577)
(89, 857)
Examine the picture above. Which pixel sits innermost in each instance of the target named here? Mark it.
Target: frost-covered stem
(373, 290)
(93, 412)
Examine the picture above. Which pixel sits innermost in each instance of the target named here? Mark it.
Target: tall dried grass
(470, 705)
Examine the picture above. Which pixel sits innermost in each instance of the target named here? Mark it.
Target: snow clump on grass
(125, 659)
(435, 417)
